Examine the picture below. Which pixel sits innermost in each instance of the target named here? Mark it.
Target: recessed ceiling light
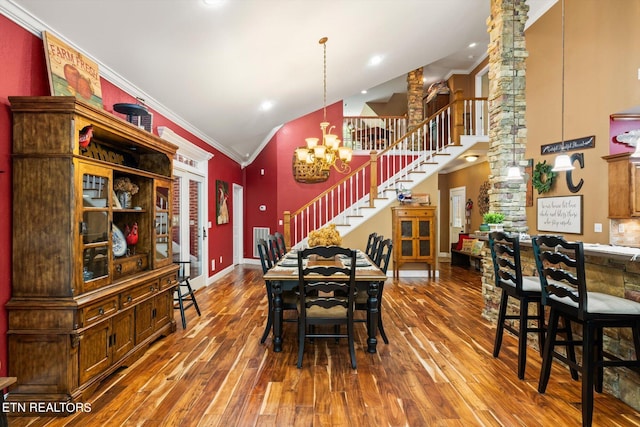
(375, 60)
(471, 158)
(474, 44)
(215, 3)
(266, 105)
(363, 91)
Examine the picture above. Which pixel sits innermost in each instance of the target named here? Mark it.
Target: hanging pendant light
(313, 161)
(562, 162)
(514, 174)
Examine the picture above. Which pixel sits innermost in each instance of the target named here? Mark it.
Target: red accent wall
(277, 189)
(24, 73)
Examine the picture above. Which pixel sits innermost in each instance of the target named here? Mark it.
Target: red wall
(277, 189)
(24, 74)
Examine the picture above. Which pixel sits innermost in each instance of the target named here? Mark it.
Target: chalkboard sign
(570, 145)
(560, 214)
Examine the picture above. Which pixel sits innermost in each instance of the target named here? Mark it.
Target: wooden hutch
(414, 236)
(83, 302)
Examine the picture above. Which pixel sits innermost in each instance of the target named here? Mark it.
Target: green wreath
(543, 177)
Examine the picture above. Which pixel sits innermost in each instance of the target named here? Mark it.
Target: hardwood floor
(436, 370)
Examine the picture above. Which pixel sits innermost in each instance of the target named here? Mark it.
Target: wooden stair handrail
(458, 122)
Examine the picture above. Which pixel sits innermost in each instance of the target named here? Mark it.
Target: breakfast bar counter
(613, 270)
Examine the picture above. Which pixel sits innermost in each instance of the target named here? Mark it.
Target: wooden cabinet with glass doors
(93, 277)
(414, 236)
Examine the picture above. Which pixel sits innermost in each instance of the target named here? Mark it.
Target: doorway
(238, 224)
(189, 227)
(457, 219)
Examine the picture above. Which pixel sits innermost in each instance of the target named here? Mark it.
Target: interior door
(189, 228)
(457, 219)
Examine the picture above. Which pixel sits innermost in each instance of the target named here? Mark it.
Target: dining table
(284, 277)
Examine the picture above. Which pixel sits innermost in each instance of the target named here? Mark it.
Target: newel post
(287, 228)
(458, 117)
(373, 178)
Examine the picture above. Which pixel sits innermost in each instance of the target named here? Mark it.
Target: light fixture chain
(324, 79)
(562, 99)
(513, 38)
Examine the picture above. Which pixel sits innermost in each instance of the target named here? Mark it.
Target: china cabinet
(414, 236)
(93, 279)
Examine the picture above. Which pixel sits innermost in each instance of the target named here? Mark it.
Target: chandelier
(312, 162)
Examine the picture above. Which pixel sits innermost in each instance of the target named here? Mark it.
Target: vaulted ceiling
(214, 68)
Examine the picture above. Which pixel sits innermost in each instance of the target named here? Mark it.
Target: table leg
(277, 316)
(372, 317)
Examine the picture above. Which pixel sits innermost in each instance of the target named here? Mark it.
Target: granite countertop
(625, 253)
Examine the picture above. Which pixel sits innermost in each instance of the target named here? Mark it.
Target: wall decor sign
(70, 72)
(570, 145)
(561, 214)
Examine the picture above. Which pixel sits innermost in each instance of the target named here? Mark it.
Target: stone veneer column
(415, 92)
(507, 197)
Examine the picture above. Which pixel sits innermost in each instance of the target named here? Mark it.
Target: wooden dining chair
(362, 298)
(507, 268)
(289, 298)
(326, 296)
(274, 251)
(282, 247)
(369, 247)
(564, 291)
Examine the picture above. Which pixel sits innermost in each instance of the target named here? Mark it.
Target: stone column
(415, 92)
(506, 33)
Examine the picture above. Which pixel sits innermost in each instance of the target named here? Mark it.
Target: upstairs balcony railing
(394, 153)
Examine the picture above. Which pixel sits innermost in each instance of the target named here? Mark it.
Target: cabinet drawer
(137, 294)
(169, 280)
(402, 213)
(95, 312)
(129, 265)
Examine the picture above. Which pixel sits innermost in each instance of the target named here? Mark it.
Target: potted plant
(494, 220)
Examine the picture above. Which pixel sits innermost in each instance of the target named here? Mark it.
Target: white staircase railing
(423, 150)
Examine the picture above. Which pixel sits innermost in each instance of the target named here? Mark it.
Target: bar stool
(505, 254)
(564, 290)
(184, 293)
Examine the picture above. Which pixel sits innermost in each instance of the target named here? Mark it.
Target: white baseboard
(416, 273)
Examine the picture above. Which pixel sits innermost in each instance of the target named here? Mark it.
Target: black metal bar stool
(184, 295)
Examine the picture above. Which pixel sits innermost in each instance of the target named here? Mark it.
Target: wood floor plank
(438, 369)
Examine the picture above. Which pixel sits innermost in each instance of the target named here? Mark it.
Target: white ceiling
(209, 68)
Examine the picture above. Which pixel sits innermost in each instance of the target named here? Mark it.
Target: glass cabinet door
(162, 250)
(94, 227)
(424, 238)
(406, 238)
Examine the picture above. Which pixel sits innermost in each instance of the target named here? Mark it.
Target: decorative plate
(119, 242)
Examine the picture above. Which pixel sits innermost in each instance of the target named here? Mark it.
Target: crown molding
(35, 26)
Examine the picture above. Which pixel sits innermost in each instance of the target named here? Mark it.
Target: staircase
(406, 162)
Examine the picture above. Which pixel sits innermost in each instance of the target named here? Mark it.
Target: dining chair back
(561, 266)
(326, 295)
(369, 247)
(282, 247)
(507, 268)
(382, 261)
(274, 250)
(289, 299)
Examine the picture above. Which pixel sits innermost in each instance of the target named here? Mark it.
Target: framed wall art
(222, 208)
(70, 72)
(561, 214)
